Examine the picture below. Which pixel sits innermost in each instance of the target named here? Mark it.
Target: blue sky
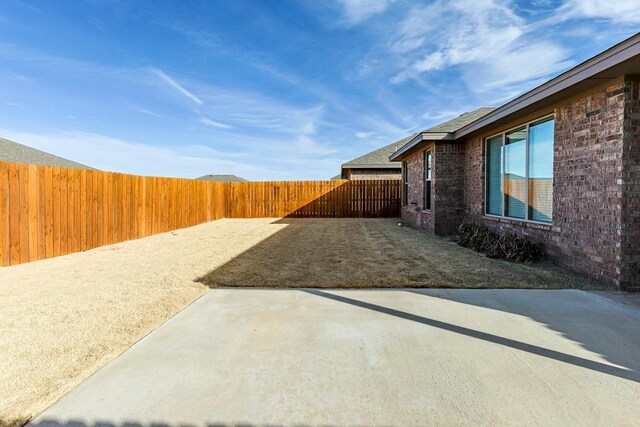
(273, 89)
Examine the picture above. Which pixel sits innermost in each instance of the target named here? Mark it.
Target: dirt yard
(363, 253)
(61, 319)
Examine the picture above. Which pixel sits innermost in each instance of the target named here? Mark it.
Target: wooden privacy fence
(314, 199)
(50, 211)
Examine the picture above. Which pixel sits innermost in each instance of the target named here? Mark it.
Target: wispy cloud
(175, 85)
(617, 11)
(150, 113)
(360, 10)
(363, 135)
(487, 40)
(215, 124)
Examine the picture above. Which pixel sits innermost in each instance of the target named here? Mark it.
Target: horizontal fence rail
(50, 211)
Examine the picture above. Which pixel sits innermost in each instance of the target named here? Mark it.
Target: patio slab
(261, 357)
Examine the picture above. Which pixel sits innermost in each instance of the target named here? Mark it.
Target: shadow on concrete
(598, 323)
(358, 254)
(628, 374)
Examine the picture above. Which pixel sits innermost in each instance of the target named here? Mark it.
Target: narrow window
(427, 180)
(494, 176)
(405, 183)
(541, 171)
(515, 180)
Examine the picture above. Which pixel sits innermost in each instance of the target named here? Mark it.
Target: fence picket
(50, 211)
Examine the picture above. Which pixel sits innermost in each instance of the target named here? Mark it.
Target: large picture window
(519, 172)
(426, 197)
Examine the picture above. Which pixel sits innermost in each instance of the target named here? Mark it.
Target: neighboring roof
(222, 178)
(623, 58)
(460, 121)
(339, 176)
(377, 159)
(443, 131)
(17, 153)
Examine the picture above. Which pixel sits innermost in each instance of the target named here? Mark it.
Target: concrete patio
(374, 357)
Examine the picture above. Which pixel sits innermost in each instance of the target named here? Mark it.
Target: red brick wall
(413, 212)
(630, 268)
(587, 221)
(448, 187)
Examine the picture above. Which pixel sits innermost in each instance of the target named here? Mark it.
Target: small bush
(509, 246)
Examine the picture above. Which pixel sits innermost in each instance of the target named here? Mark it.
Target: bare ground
(364, 253)
(62, 319)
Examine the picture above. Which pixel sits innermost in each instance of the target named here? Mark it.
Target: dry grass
(61, 319)
(362, 253)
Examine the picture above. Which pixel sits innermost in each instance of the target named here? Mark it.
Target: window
(519, 172)
(405, 183)
(515, 159)
(426, 197)
(494, 176)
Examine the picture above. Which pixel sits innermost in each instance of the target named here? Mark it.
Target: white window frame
(503, 134)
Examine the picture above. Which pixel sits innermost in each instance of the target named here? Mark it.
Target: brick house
(559, 164)
(374, 165)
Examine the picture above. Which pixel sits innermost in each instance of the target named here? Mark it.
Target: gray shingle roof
(17, 153)
(378, 158)
(461, 121)
(222, 178)
(439, 132)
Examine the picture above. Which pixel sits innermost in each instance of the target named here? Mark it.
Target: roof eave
(409, 147)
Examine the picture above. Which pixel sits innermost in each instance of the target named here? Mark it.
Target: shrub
(509, 246)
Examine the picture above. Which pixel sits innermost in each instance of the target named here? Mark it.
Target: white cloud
(619, 11)
(175, 85)
(433, 61)
(215, 124)
(359, 10)
(485, 38)
(508, 72)
(363, 135)
(147, 112)
(304, 146)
